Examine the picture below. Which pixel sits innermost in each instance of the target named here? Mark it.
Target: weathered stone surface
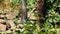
(1, 8)
(2, 21)
(9, 31)
(12, 14)
(20, 26)
(15, 12)
(1, 11)
(31, 15)
(9, 16)
(11, 23)
(2, 27)
(1, 16)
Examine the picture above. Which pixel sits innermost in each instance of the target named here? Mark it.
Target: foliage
(50, 20)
